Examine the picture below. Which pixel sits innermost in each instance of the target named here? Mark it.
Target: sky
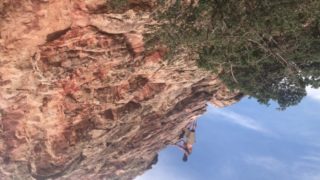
(249, 141)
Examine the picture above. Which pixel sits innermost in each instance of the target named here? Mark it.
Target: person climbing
(187, 137)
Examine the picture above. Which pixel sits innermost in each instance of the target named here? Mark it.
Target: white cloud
(309, 166)
(227, 171)
(315, 157)
(313, 93)
(266, 162)
(305, 167)
(239, 119)
(311, 176)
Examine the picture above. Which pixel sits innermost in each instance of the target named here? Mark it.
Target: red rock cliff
(80, 98)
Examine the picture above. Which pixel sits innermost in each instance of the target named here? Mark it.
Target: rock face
(81, 98)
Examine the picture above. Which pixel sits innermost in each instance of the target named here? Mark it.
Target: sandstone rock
(80, 99)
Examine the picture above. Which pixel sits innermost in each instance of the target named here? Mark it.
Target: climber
(187, 137)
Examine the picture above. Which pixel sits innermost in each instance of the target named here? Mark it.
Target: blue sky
(249, 141)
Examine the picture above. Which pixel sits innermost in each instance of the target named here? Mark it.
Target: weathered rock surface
(80, 98)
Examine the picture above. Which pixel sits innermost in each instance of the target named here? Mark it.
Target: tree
(268, 49)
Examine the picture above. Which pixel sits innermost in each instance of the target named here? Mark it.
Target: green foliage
(268, 49)
(118, 3)
(182, 27)
(115, 6)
